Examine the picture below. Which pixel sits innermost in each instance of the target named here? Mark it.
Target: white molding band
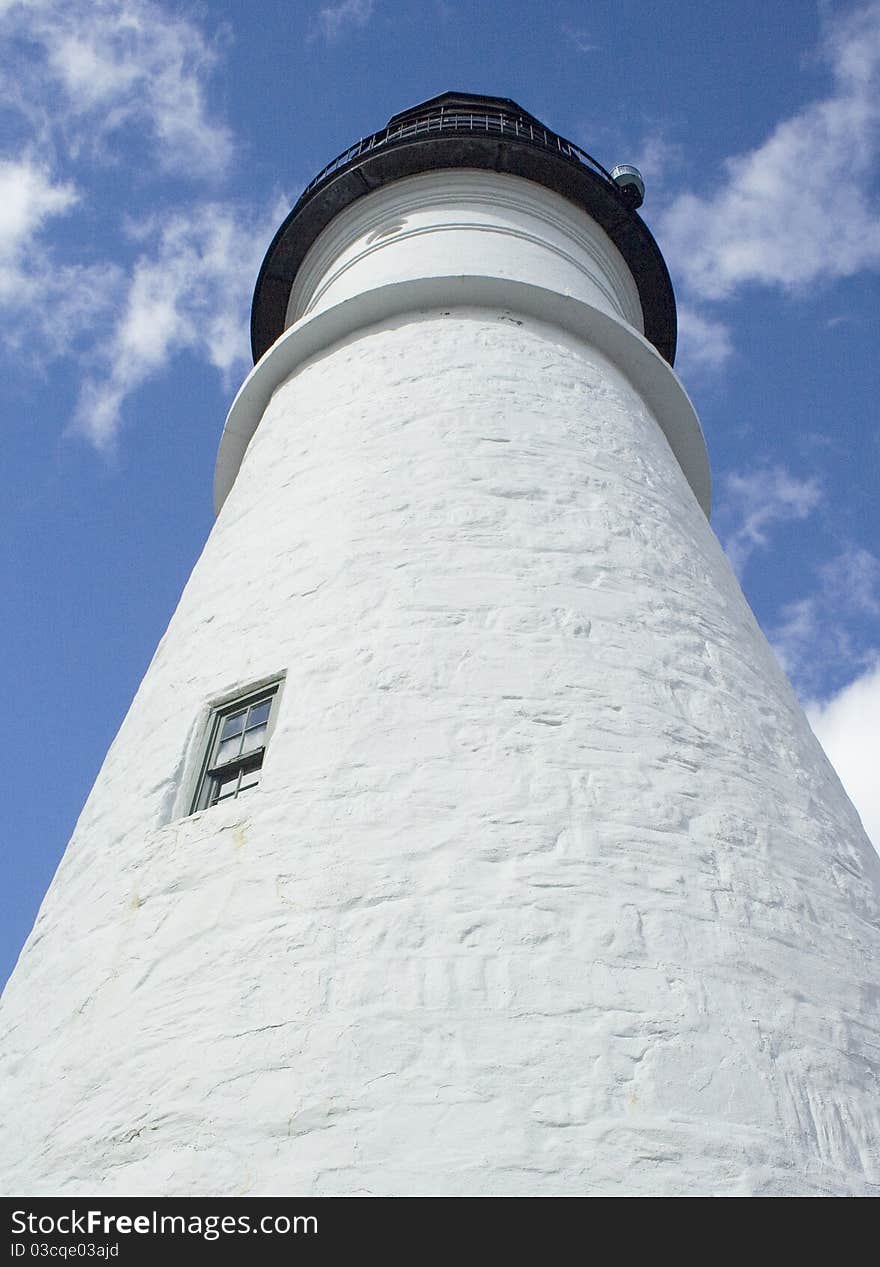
(460, 223)
(629, 351)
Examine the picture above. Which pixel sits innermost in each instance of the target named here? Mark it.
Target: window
(234, 760)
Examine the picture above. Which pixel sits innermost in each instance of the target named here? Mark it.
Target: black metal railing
(494, 123)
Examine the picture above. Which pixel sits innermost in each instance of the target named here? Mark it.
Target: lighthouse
(464, 835)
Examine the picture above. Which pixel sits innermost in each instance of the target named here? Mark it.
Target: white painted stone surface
(466, 223)
(548, 887)
(628, 351)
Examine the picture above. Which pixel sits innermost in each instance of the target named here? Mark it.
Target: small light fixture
(629, 181)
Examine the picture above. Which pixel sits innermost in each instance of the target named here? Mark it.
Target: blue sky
(149, 149)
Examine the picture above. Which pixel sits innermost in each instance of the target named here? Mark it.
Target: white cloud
(755, 501)
(29, 197)
(579, 38)
(80, 75)
(796, 209)
(703, 342)
(335, 20)
(656, 158)
(848, 728)
(855, 576)
(190, 289)
(834, 628)
(81, 71)
(54, 303)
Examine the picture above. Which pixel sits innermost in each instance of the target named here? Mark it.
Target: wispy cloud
(579, 38)
(753, 502)
(90, 82)
(846, 727)
(189, 290)
(832, 632)
(703, 342)
(656, 158)
(82, 72)
(335, 20)
(29, 197)
(796, 209)
(54, 302)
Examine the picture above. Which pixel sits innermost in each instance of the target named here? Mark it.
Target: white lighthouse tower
(464, 835)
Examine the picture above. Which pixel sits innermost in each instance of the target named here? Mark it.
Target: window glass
(228, 749)
(249, 779)
(254, 738)
(259, 714)
(227, 786)
(233, 725)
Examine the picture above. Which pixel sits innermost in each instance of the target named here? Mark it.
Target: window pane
(254, 738)
(250, 779)
(259, 713)
(226, 787)
(233, 725)
(228, 749)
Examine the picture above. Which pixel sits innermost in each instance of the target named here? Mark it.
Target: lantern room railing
(438, 121)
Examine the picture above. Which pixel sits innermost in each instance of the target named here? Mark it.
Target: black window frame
(215, 773)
